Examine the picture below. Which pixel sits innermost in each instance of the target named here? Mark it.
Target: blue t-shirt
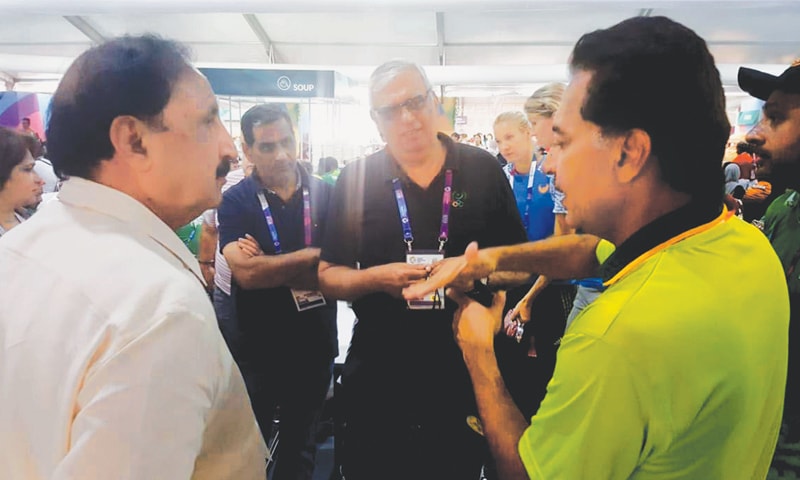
(544, 204)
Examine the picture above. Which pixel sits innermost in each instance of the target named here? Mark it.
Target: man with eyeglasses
(407, 395)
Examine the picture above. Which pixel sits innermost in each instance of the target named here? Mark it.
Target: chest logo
(544, 188)
(458, 199)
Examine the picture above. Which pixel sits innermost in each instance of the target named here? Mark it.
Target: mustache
(224, 167)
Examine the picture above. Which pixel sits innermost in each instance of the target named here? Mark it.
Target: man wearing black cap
(776, 144)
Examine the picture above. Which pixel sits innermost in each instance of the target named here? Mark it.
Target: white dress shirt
(111, 362)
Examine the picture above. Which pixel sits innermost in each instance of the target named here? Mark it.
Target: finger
(458, 296)
(417, 275)
(247, 247)
(249, 237)
(471, 253)
(420, 289)
(439, 278)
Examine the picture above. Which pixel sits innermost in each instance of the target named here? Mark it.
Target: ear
(634, 153)
(126, 133)
(247, 150)
(378, 124)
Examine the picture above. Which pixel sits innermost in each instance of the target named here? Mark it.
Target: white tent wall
(489, 53)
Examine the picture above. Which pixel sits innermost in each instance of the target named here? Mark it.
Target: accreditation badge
(307, 299)
(434, 300)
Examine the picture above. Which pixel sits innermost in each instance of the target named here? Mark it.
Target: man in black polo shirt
(407, 394)
(270, 226)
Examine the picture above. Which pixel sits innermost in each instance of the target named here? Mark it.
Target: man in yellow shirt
(666, 375)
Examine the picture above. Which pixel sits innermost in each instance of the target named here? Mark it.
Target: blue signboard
(247, 82)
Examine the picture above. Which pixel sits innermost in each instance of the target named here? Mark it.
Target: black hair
(262, 114)
(743, 147)
(12, 153)
(654, 74)
(130, 75)
(33, 145)
(327, 164)
(26, 119)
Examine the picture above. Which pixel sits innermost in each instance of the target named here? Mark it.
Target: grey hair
(546, 100)
(386, 72)
(515, 118)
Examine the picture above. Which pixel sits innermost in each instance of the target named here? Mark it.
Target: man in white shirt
(111, 362)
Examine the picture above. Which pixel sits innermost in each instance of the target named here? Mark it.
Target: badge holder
(434, 300)
(307, 299)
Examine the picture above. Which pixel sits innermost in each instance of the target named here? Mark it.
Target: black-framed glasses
(393, 112)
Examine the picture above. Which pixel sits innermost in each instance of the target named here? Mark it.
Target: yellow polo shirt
(670, 373)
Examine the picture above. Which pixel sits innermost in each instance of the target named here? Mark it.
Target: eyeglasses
(393, 112)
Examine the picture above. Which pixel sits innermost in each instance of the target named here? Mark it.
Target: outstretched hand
(458, 273)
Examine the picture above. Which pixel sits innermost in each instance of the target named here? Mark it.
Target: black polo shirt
(414, 348)
(268, 318)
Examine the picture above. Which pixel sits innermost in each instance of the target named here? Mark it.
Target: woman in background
(20, 186)
(528, 366)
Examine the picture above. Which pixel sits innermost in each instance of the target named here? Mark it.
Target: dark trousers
(225, 309)
(527, 377)
(296, 389)
(386, 443)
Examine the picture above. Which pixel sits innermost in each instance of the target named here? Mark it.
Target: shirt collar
(86, 194)
(512, 169)
(392, 170)
(302, 179)
(660, 233)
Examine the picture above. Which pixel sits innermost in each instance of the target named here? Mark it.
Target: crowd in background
(560, 376)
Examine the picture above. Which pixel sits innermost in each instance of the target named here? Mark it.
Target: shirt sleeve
(210, 217)
(505, 223)
(340, 242)
(604, 250)
(231, 216)
(590, 424)
(141, 412)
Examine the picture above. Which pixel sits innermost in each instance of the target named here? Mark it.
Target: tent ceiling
(470, 42)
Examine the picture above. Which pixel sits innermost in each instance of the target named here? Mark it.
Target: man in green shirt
(666, 375)
(776, 144)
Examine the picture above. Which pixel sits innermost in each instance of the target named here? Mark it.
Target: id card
(434, 300)
(307, 299)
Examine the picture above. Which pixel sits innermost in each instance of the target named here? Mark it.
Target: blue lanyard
(526, 215)
(273, 231)
(402, 209)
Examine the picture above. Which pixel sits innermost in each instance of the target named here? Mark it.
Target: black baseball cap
(761, 85)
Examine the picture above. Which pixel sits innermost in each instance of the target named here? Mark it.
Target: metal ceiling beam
(262, 36)
(89, 7)
(356, 44)
(743, 43)
(86, 28)
(440, 37)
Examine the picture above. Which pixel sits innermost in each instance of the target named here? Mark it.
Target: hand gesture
(475, 325)
(393, 278)
(458, 273)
